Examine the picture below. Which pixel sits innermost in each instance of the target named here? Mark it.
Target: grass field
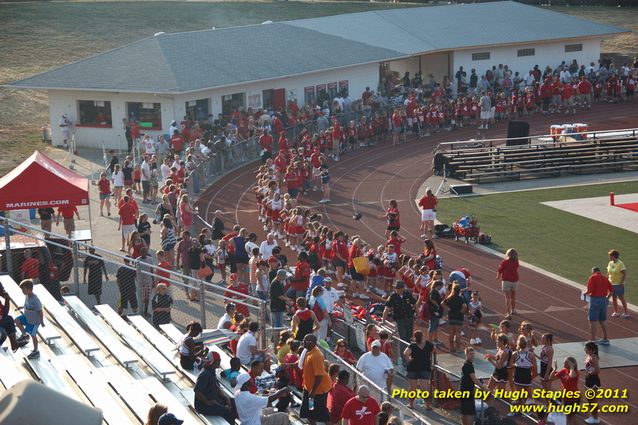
(36, 36)
(557, 241)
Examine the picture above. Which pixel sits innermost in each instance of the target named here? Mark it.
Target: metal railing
(69, 256)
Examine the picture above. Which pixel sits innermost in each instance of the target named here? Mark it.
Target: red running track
(365, 180)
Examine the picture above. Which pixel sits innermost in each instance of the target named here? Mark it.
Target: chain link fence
(66, 268)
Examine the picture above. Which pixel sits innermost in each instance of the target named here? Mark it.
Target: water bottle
(311, 404)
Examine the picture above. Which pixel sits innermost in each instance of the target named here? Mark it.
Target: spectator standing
(46, 217)
(125, 277)
(428, 205)
(463, 278)
(568, 377)
(507, 273)
(209, 397)
(266, 247)
(278, 299)
(253, 409)
(401, 305)
(126, 224)
(161, 305)
(94, 265)
(30, 268)
(183, 257)
(67, 212)
(361, 409)
(146, 177)
(468, 383)
(316, 383)
(617, 273)
(339, 395)
(7, 324)
(377, 366)
(418, 357)
(599, 290)
(104, 188)
(146, 279)
(31, 318)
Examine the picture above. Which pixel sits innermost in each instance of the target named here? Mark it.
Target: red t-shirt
(67, 211)
(30, 268)
(567, 382)
(397, 244)
(162, 276)
(336, 132)
(355, 252)
(131, 202)
(301, 280)
(341, 248)
(394, 212)
(337, 398)
(359, 413)
(292, 180)
(104, 186)
(508, 270)
(127, 214)
(428, 202)
(177, 142)
(584, 87)
(266, 142)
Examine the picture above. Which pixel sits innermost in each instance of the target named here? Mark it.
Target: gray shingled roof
(423, 29)
(191, 61)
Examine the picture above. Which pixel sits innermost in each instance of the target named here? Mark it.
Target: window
(232, 102)
(526, 52)
(197, 110)
(95, 113)
(309, 95)
(332, 90)
(343, 88)
(481, 56)
(573, 48)
(149, 115)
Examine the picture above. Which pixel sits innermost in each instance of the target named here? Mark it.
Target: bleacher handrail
(497, 141)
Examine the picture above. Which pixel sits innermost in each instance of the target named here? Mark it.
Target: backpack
(484, 239)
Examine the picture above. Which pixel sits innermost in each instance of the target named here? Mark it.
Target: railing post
(262, 320)
(202, 302)
(7, 241)
(76, 269)
(138, 287)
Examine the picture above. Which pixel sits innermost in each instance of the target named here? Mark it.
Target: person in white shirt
(377, 366)
(253, 409)
(330, 295)
(173, 128)
(565, 76)
(146, 179)
(65, 127)
(165, 170)
(226, 320)
(247, 346)
(529, 79)
(250, 244)
(266, 247)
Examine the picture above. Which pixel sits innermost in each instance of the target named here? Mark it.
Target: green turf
(557, 241)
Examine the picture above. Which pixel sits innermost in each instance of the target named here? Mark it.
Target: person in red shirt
(428, 213)
(177, 142)
(266, 142)
(507, 273)
(397, 241)
(237, 286)
(600, 289)
(362, 409)
(30, 268)
(283, 142)
(301, 279)
(568, 376)
(340, 255)
(162, 275)
(567, 95)
(126, 223)
(397, 123)
(354, 252)
(584, 92)
(339, 394)
(393, 218)
(292, 181)
(67, 212)
(104, 187)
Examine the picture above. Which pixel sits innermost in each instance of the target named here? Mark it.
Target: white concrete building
(162, 78)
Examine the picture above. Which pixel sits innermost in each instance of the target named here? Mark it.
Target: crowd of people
(332, 270)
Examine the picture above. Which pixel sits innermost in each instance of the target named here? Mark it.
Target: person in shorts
(127, 213)
(46, 218)
(418, 356)
(599, 289)
(67, 212)
(315, 394)
(468, 381)
(31, 318)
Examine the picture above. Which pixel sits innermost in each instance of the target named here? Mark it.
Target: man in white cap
(377, 366)
(253, 409)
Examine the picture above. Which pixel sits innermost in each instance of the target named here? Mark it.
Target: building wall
(551, 54)
(174, 107)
